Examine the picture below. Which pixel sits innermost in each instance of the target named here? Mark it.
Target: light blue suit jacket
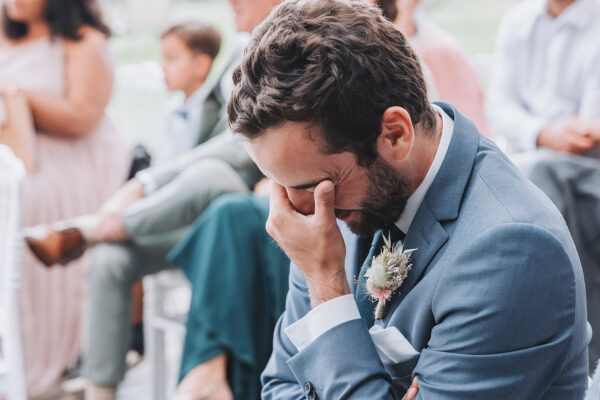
(494, 303)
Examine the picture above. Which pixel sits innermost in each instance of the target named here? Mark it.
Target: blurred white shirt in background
(546, 70)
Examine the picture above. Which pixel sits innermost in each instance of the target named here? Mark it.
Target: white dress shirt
(343, 309)
(180, 132)
(546, 70)
(182, 123)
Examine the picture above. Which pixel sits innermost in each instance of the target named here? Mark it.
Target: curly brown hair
(337, 64)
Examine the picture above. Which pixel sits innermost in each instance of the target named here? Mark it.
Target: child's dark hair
(197, 36)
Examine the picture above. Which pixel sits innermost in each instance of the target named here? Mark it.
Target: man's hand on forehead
(313, 242)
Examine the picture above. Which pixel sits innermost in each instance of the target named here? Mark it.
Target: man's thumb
(324, 197)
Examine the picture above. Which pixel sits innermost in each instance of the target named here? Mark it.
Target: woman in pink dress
(55, 53)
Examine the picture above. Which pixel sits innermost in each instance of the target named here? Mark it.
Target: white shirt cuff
(321, 319)
(147, 181)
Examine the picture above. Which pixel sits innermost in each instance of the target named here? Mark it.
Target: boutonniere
(386, 273)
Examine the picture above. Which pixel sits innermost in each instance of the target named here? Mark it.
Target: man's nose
(302, 200)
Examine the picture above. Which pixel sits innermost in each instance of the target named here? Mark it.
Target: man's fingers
(279, 198)
(415, 383)
(581, 144)
(280, 209)
(324, 199)
(412, 390)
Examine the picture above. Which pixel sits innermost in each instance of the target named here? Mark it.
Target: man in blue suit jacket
(333, 105)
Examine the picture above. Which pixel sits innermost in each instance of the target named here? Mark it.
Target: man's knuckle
(270, 227)
(274, 224)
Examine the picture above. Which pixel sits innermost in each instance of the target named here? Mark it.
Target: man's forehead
(289, 156)
(301, 137)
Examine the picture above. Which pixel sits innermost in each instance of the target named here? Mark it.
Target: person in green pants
(239, 279)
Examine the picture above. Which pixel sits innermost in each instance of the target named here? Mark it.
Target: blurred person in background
(137, 227)
(544, 99)
(454, 78)
(188, 50)
(237, 270)
(55, 53)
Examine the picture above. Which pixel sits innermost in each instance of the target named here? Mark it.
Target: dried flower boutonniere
(386, 273)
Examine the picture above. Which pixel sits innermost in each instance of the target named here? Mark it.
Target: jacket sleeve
(341, 363)
(277, 379)
(507, 319)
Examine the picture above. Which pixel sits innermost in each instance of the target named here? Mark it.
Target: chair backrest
(12, 174)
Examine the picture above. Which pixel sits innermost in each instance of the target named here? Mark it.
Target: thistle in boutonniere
(386, 273)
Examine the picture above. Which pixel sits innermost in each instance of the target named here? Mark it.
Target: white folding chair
(12, 374)
(166, 303)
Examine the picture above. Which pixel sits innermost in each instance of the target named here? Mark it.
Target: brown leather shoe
(53, 246)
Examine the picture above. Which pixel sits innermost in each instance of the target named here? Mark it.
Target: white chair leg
(155, 344)
(14, 355)
(12, 174)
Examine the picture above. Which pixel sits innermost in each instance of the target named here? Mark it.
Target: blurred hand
(9, 90)
(594, 130)
(110, 226)
(412, 390)
(573, 137)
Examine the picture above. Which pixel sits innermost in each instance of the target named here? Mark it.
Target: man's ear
(202, 65)
(397, 134)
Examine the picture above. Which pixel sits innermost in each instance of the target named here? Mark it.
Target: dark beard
(386, 199)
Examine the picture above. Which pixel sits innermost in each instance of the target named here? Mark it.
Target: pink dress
(73, 177)
(454, 77)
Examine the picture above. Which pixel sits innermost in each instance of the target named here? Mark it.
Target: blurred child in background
(188, 50)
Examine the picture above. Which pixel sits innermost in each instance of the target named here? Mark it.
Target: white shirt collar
(579, 13)
(196, 98)
(415, 200)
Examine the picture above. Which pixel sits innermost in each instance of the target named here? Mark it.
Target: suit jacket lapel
(427, 237)
(442, 201)
(213, 119)
(352, 262)
(446, 192)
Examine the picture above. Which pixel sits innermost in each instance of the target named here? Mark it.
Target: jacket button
(307, 388)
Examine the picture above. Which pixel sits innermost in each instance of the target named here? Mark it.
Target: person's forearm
(594, 130)
(60, 117)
